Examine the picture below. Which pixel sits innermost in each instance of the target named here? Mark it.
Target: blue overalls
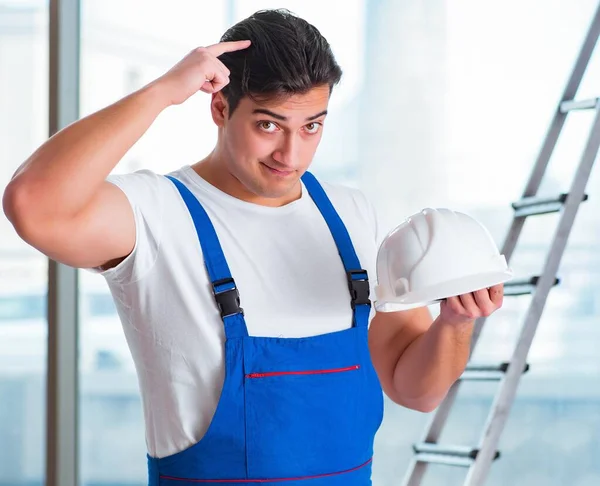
(293, 411)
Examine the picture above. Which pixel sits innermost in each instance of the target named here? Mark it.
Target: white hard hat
(435, 254)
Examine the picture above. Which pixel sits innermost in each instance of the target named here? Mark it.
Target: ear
(219, 109)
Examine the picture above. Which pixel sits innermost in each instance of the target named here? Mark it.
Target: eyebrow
(284, 118)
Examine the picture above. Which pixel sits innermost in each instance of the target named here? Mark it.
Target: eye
(313, 127)
(267, 126)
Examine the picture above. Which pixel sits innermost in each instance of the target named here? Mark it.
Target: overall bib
(293, 411)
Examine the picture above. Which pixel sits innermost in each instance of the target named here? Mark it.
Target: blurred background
(443, 103)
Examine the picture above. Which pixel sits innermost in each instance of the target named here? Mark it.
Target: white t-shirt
(285, 264)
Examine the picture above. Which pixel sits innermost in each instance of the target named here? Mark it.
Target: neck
(213, 169)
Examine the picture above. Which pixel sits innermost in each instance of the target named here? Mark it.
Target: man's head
(270, 115)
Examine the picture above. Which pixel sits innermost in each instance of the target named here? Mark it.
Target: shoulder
(352, 204)
(141, 182)
(150, 196)
(149, 191)
(346, 195)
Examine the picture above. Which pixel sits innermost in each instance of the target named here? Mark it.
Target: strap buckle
(228, 300)
(359, 287)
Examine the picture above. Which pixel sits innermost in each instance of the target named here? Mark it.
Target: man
(241, 281)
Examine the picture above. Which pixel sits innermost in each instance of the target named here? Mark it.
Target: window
(437, 108)
(23, 308)
(23, 271)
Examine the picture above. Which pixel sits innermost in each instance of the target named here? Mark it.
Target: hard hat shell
(435, 254)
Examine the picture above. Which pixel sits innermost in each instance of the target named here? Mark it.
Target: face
(267, 146)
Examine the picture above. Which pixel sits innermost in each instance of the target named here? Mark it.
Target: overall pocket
(309, 422)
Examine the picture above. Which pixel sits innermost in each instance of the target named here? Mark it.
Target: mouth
(278, 172)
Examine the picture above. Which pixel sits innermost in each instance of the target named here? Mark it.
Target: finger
(497, 295)
(212, 87)
(226, 72)
(220, 76)
(221, 82)
(223, 68)
(217, 83)
(215, 80)
(207, 87)
(484, 302)
(455, 305)
(231, 46)
(468, 302)
(218, 65)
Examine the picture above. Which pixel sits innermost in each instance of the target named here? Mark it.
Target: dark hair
(287, 56)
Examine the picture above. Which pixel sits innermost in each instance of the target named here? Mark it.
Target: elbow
(425, 406)
(12, 201)
(421, 403)
(18, 206)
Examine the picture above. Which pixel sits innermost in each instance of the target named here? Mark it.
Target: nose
(286, 152)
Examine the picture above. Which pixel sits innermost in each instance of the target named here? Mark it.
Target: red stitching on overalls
(308, 372)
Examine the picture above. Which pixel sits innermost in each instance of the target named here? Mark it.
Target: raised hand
(199, 70)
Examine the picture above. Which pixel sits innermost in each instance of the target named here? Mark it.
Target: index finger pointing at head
(230, 46)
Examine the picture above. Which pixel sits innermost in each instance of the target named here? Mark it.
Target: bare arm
(59, 201)
(418, 359)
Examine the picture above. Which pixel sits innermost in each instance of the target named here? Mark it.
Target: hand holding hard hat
(434, 255)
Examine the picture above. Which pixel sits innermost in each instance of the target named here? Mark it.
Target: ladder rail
(416, 472)
(506, 395)
(438, 419)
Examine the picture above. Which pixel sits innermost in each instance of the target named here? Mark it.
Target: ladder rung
(487, 372)
(571, 105)
(482, 375)
(488, 367)
(456, 450)
(445, 460)
(523, 286)
(442, 454)
(532, 206)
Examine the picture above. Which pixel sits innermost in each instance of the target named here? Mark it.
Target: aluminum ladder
(478, 460)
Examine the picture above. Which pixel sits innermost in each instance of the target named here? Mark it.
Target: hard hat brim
(443, 290)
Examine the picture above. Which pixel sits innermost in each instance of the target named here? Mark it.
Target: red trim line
(266, 480)
(312, 372)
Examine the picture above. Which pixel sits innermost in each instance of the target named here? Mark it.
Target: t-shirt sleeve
(144, 190)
